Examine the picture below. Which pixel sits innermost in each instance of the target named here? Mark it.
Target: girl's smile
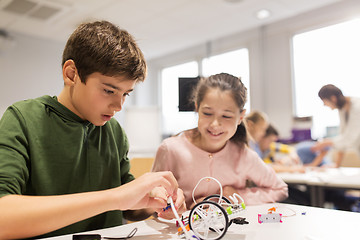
(215, 134)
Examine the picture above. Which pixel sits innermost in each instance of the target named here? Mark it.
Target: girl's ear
(196, 107)
(242, 115)
(69, 73)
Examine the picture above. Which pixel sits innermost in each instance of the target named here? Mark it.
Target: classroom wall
(32, 68)
(270, 53)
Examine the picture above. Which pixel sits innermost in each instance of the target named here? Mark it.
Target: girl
(218, 148)
(256, 124)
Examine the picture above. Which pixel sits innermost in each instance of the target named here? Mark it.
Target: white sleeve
(349, 136)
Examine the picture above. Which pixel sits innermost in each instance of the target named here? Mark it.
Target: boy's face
(100, 98)
(265, 142)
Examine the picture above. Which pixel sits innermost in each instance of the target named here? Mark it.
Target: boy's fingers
(170, 183)
(180, 200)
(157, 203)
(159, 192)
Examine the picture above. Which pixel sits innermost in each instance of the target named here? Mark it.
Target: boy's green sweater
(45, 149)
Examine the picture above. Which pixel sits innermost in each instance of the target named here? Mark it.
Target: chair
(351, 159)
(140, 165)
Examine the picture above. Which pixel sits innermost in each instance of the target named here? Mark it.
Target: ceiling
(159, 26)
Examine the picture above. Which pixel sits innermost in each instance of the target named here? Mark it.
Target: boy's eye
(227, 116)
(108, 91)
(126, 94)
(207, 114)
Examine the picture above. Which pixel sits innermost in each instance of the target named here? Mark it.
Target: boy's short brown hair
(103, 47)
(271, 130)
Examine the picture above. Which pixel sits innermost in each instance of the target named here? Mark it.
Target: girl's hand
(228, 191)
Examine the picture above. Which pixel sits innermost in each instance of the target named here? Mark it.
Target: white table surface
(343, 177)
(317, 179)
(314, 224)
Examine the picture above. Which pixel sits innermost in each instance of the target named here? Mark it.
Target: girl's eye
(126, 94)
(227, 116)
(108, 92)
(207, 114)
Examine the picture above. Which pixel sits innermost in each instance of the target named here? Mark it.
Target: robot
(210, 218)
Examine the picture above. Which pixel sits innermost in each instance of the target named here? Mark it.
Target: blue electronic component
(167, 207)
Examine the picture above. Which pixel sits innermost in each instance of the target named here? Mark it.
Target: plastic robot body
(211, 218)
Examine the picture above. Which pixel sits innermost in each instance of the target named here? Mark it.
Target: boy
(282, 157)
(63, 160)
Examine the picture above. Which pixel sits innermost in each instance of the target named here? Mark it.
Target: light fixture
(262, 14)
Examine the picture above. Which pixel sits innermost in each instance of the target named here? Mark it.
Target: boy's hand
(180, 206)
(148, 191)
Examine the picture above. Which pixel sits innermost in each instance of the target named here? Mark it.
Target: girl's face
(219, 117)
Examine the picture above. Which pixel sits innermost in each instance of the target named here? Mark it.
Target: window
(173, 120)
(324, 56)
(235, 63)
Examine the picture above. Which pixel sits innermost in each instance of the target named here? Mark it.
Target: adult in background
(349, 114)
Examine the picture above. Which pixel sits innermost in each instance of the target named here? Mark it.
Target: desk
(317, 179)
(316, 224)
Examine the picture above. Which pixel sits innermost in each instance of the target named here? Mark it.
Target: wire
(130, 235)
(235, 198)
(292, 210)
(99, 237)
(207, 178)
(187, 234)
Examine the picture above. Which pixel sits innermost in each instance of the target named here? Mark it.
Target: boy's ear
(69, 72)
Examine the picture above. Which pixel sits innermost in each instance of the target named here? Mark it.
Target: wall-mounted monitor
(186, 86)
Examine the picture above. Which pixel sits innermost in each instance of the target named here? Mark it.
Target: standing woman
(349, 114)
(218, 148)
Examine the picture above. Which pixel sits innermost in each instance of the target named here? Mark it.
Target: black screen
(186, 86)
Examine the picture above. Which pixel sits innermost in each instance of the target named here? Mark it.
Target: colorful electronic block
(269, 218)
